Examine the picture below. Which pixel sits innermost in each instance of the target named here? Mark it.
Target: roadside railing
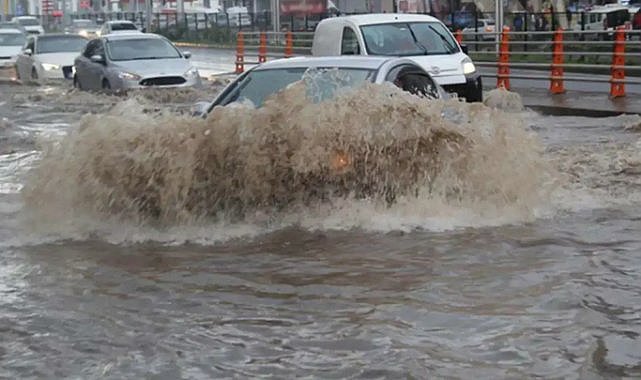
(557, 57)
(253, 48)
(562, 56)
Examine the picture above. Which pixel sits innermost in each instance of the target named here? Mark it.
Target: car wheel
(106, 86)
(34, 74)
(76, 83)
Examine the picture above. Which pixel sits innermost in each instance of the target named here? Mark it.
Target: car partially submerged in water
(256, 84)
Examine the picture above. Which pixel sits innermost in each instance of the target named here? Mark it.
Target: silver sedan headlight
(49, 66)
(128, 76)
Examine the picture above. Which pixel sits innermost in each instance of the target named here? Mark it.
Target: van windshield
(408, 39)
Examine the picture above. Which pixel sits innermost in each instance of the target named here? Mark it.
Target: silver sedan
(261, 81)
(129, 61)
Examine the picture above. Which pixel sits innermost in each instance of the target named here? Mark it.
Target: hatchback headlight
(468, 66)
(49, 66)
(128, 76)
(191, 73)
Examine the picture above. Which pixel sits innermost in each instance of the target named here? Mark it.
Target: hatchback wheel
(106, 86)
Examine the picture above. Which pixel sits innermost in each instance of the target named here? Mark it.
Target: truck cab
(421, 38)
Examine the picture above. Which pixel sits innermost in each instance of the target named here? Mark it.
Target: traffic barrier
(289, 44)
(262, 50)
(503, 77)
(556, 80)
(240, 53)
(459, 36)
(617, 84)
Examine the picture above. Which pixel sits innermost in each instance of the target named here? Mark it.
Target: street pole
(148, 5)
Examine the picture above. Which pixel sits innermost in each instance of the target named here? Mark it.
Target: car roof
(54, 35)
(366, 62)
(24, 18)
(132, 36)
(382, 18)
(10, 31)
(119, 22)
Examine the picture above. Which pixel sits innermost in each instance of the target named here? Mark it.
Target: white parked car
(49, 56)
(134, 60)
(118, 26)
(31, 24)
(11, 43)
(421, 38)
(485, 30)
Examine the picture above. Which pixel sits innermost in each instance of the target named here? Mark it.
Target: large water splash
(374, 157)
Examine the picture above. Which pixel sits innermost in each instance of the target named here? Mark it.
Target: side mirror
(97, 58)
(187, 54)
(199, 109)
(27, 51)
(464, 48)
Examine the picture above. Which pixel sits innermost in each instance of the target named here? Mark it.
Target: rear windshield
(408, 39)
(28, 21)
(12, 39)
(322, 83)
(123, 26)
(60, 44)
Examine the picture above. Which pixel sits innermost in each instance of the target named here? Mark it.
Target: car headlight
(49, 66)
(468, 66)
(191, 73)
(128, 76)
(83, 33)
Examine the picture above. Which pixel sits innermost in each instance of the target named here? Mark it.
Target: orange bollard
(617, 87)
(503, 77)
(289, 45)
(556, 81)
(262, 49)
(459, 36)
(240, 53)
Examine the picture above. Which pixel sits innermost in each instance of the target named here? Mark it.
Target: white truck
(421, 38)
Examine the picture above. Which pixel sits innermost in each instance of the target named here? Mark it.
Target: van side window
(349, 44)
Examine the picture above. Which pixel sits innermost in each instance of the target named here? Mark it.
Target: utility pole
(148, 6)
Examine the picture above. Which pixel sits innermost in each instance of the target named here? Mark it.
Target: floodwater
(522, 261)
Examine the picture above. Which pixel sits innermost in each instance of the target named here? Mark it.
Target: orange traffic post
(289, 45)
(617, 87)
(503, 77)
(556, 80)
(459, 36)
(240, 53)
(262, 49)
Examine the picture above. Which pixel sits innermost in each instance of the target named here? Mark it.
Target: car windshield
(123, 26)
(140, 49)
(322, 83)
(83, 24)
(60, 44)
(408, 39)
(28, 21)
(12, 39)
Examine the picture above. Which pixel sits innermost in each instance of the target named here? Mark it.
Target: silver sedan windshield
(139, 49)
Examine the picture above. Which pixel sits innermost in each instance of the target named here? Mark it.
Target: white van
(421, 38)
(605, 18)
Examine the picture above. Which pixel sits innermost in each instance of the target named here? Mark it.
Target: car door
(24, 61)
(82, 66)
(96, 69)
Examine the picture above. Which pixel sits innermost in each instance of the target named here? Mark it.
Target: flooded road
(423, 290)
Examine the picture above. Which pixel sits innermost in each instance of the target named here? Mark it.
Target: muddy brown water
(529, 285)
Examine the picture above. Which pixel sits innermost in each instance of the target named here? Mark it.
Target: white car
(421, 38)
(11, 43)
(49, 56)
(118, 26)
(486, 30)
(30, 23)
